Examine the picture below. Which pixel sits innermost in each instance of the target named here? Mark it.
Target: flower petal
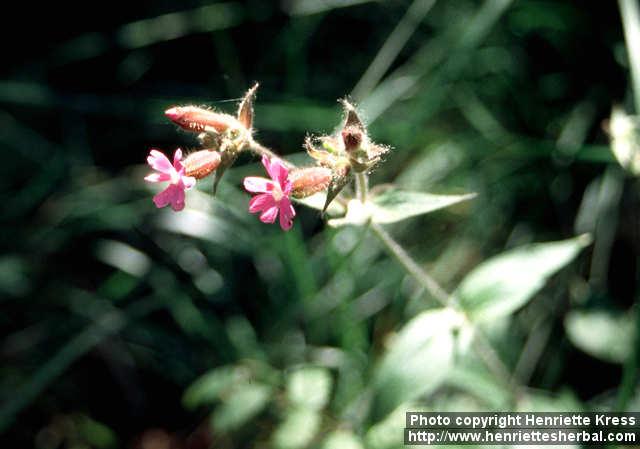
(257, 185)
(287, 212)
(276, 170)
(269, 215)
(261, 202)
(158, 161)
(188, 182)
(177, 157)
(173, 195)
(178, 201)
(158, 177)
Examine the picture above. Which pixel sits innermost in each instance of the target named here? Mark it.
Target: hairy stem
(261, 150)
(410, 265)
(362, 187)
(483, 346)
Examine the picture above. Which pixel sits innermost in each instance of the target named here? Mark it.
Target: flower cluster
(224, 136)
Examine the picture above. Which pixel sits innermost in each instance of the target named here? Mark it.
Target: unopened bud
(201, 163)
(195, 119)
(352, 138)
(310, 180)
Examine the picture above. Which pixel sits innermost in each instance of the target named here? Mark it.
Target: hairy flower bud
(201, 163)
(352, 138)
(309, 180)
(195, 119)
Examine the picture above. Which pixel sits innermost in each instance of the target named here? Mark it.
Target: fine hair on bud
(309, 180)
(201, 163)
(197, 119)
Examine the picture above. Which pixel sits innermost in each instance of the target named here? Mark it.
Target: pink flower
(273, 195)
(178, 182)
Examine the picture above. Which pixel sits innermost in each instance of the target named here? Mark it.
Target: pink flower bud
(310, 180)
(201, 163)
(195, 119)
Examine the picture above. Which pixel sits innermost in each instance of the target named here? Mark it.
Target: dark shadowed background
(111, 308)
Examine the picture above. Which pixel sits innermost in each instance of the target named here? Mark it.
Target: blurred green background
(113, 311)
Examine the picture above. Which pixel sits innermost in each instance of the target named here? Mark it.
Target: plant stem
(411, 266)
(484, 348)
(362, 187)
(261, 150)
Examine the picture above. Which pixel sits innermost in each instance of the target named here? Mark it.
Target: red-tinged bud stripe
(201, 163)
(307, 181)
(193, 118)
(352, 138)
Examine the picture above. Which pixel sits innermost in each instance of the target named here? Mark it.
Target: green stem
(362, 187)
(261, 150)
(410, 265)
(483, 346)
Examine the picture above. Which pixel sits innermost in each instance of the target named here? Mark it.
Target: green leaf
(418, 358)
(309, 387)
(342, 439)
(207, 388)
(395, 205)
(601, 334)
(298, 429)
(389, 433)
(357, 214)
(318, 200)
(472, 377)
(96, 433)
(244, 403)
(504, 283)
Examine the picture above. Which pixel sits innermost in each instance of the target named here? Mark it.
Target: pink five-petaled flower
(178, 182)
(273, 195)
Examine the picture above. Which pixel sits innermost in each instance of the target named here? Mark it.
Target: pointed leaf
(245, 402)
(418, 358)
(208, 387)
(309, 387)
(342, 439)
(396, 205)
(245, 110)
(358, 214)
(318, 200)
(298, 429)
(506, 282)
(388, 433)
(601, 334)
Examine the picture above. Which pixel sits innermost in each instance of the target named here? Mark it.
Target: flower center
(175, 177)
(277, 192)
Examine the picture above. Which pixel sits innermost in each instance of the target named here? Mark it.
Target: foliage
(123, 323)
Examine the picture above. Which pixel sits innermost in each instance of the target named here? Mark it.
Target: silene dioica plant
(339, 158)
(425, 353)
